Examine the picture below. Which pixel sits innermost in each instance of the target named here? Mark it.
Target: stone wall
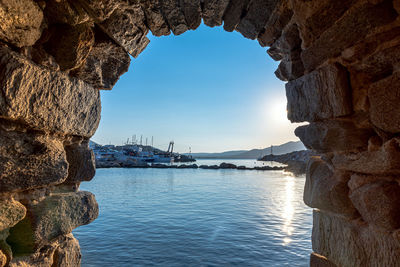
(341, 62)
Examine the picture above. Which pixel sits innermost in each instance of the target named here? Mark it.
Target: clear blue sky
(206, 89)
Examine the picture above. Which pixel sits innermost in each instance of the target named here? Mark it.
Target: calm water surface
(195, 217)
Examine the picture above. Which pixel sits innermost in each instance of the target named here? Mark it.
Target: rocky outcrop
(340, 60)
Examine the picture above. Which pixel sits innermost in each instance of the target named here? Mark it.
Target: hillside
(254, 153)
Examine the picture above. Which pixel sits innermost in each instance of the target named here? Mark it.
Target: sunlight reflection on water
(170, 217)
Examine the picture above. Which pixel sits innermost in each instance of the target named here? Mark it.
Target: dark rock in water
(214, 167)
(108, 164)
(158, 165)
(241, 167)
(184, 166)
(225, 165)
(268, 168)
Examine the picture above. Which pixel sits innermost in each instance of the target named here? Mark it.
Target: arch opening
(340, 61)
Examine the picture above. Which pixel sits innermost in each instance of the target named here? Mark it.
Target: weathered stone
(192, 11)
(290, 68)
(315, 17)
(126, 27)
(384, 161)
(3, 259)
(213, 11)
(20, 22)
(64, 251)
(56, 215)
(29, 160)
(321, 94)
(174, 16)
(373, 52)
(359, 180)
(289, 40)
(275, 25)
(41, 57)
(46, 100)
(106, 62)
(70, 45)
(11, 212)
(233, 14)
(327, 190)
(333, 135)
(154, 18)
(317, 260)
(68, 252)
(352, 243)
(256, 18)
(81, 163)
(101, 10)
(379, 204)
(384, 99)
(355, 24)
(64, 11)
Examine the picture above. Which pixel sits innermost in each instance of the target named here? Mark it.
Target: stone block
(384, 99)
(20, 22)
(353, 243)
(50, 218)
(174, 16)
(290, 68)
(67, 253)
(327, 190)
(354, 25)
(11, 212)
(384, 161)
(63, 11)
(213, 12)
(256, 18)
(315, 17)
(70, 45)
(333, 135)
(81, 163)
(379, 204)
(106, 62)
(192, 11)
(46, 100)
(30, 160)
(233, 14)
(275, 25)
(102, 9)
(322, 94)
(154, 18)
(126, 26)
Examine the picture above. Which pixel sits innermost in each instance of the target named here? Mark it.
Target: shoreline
(222, 166)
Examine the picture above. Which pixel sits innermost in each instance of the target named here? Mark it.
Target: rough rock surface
(50, 218)
(126, 27)
(81, 163)
(379, 204)
(327, 190)
(321, 94)
(11, 212)
(29, 160)
(106, 62)
(46, 100)
(325, 136)
(70, 45)
(20, 22)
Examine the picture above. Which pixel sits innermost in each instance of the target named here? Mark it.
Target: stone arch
(340, 60)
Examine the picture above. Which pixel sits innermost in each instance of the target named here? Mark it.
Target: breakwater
(224, 165)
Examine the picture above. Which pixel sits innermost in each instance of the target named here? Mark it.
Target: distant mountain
(254, 153)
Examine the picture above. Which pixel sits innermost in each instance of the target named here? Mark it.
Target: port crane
(170, 147)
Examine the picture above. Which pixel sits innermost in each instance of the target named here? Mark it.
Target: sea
(197, 217)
